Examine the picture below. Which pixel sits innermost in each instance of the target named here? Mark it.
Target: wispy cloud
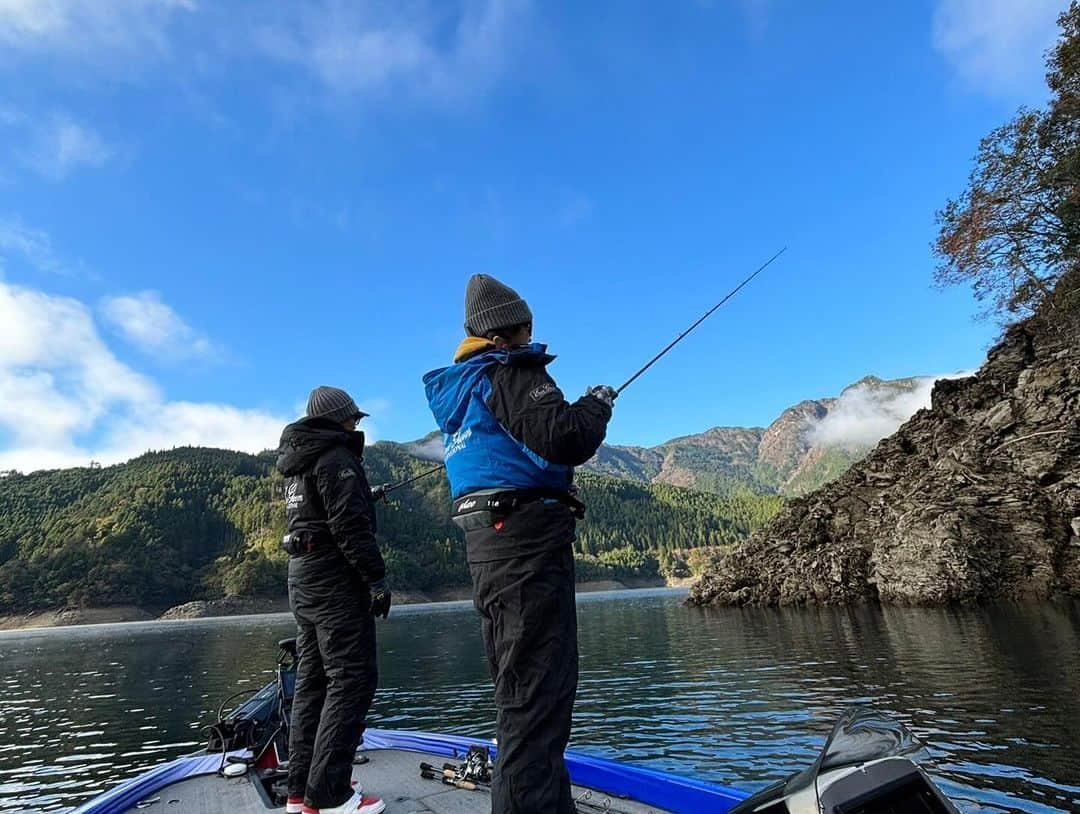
(99, 31)
(438, 52)
(997, 46)
(62, 144)
(33, 245)
(69, 400)
(154, 327)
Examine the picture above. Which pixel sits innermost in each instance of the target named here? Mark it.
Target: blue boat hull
(667, 791)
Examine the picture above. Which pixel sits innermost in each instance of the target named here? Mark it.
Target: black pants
(529, 627)
(335, 684)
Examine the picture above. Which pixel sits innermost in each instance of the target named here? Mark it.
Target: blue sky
(208, 208)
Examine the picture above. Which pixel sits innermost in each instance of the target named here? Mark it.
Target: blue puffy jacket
(505, 422)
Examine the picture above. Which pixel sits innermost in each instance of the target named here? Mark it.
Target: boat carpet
(392, 774)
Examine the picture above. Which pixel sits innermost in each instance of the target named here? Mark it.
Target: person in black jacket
(511, 441)
(337, 586)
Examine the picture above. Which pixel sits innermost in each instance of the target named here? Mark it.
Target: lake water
(738, 696)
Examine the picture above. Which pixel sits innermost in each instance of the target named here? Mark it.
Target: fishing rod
(395, 486)
(380, 492)
(451, 775)
(704, 317)
(388, 489)
(450, 780)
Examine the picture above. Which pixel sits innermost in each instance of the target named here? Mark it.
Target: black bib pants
(336, 678)
(523, 589)
(329, 507)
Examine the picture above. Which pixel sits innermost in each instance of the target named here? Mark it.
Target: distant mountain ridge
(792, 456)
(196, 523)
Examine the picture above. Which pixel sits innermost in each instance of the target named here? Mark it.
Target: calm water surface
(739, 696)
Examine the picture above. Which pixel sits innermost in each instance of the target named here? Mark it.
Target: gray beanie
(490, 305)
(332, 403)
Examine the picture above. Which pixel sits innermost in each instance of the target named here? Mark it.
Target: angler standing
(337, 586)
(511, 442)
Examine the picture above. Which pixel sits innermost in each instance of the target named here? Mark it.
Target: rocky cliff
(974, 499)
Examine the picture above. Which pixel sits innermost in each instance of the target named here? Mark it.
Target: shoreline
(227, 608)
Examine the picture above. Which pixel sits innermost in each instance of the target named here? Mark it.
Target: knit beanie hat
(332, 403)
(490, 305)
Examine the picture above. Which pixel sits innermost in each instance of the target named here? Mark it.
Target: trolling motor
(865, 767)
(260, 725)
(259, 729)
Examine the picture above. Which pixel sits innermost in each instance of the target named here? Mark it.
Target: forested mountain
(809, 445)
(191, 523)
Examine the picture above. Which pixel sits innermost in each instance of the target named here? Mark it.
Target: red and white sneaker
(294, 805)
(357, 804)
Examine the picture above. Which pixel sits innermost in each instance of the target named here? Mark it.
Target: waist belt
(299, 543)
(483, 509)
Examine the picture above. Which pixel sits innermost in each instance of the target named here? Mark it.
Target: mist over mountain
(808, 445)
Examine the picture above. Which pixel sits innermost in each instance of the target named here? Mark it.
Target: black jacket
(527, 402)
(327, 495)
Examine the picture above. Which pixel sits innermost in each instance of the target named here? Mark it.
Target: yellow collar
(471, 346)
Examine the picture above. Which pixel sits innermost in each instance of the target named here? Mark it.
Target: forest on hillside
(199, 523)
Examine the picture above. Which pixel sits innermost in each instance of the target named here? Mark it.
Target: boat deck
(392, 774)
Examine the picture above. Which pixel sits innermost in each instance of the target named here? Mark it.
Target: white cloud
(431, 450)
(418, 48)
(31, 244)
(89, 30)
(57, 376)
(997, 46)
(181, 423)
(155, 328)
(68, 400)
(866, 413)
(62, 145)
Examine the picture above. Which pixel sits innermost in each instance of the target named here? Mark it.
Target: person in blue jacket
(511, 442)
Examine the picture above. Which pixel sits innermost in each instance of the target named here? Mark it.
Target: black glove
(380, 598)
(604, 393)
(379, 492)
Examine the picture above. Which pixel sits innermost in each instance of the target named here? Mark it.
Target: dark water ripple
(738, 696)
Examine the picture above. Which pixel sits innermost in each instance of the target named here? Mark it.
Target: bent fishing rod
(704, 317)
(644, 367)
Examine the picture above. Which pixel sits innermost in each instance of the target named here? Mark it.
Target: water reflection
(739, 696)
